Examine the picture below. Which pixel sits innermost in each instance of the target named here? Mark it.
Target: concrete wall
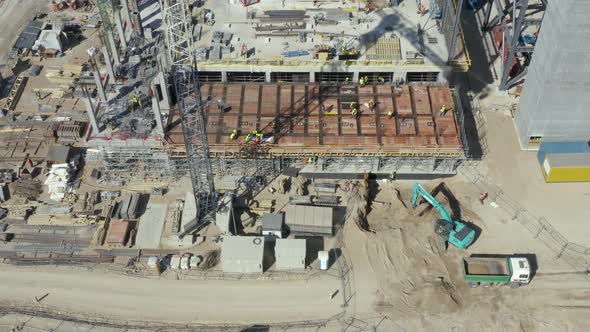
(555, 101)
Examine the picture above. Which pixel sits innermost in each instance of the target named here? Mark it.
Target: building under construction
(333, 90)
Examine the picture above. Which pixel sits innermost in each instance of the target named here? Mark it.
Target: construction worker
(347, 80)
(353, 104)
(443, 110)
(248, 138)
(260, 136)
(482, 197)
(234, 135)
(390, 114)
(243, 51)
(354, 112)
(421, 9)
(381, 80)
(135, 102)
(362, 81)
(371, 104)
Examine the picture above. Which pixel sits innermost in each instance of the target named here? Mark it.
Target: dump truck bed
(486, 266)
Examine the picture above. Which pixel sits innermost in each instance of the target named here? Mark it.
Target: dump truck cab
(521, 270)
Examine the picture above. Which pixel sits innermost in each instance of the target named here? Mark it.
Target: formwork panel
(305, 129)
(384, 89)
(421, 99)
(233, 98)
(285, 102)
(269, 100)
(407, 126)
(330, 105)
(425, 126)
(384, 104)
(365, 90)
(299, 99)
(330, 126)
(446, 125)
(349, 126)
(313, 127)
(403, 100)
(387, 126)
(248, 123)
(440, 96)
(251, 94)
(299, 125)
(367, 123)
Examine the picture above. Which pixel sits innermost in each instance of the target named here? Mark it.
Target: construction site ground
(396, 279)
(395, 272)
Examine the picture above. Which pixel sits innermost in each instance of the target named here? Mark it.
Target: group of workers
(371, 105)
(254, 136)
(365, 80)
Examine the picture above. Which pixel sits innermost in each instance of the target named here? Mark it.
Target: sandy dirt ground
(171, 300)
(399, 273)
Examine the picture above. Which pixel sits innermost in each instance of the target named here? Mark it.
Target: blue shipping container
(562, 147)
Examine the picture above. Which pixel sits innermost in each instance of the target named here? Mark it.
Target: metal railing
(573, 254)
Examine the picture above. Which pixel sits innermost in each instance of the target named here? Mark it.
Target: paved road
(124, 297)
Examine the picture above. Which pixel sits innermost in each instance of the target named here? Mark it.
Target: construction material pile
(58, 180)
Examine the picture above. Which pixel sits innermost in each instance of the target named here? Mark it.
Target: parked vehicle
(496, 270)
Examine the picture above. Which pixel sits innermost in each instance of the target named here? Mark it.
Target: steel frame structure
(513, 17)
(183, 68)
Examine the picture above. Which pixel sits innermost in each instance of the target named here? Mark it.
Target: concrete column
(113, 46)
(126, 13)
(267, 77)
(91, 116)
(107, 59)
(165, 104)
(311, 77)
(119, 25)
(223, 76)
(101, 94)
(355, 77)
(158, 116)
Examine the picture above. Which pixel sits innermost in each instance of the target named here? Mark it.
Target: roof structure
(242, 254)
(58, 154)
(28, 37)
(312, 119)
(303, 219)
(272, 222)
(290, 254)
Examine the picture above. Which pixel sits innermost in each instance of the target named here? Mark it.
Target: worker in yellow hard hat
(371, 104)
(233, 135)
(354, 112)
(248, 138)
(353, 104)
(362, 81)
(443, 110)
(381, 80)
(390, 114)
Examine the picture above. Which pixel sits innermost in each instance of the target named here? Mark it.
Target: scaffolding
(134, 163)
(511, 21)
(179, 40)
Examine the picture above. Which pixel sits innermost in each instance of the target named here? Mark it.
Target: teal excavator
(455, 232)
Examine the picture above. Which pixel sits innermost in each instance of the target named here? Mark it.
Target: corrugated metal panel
(573, 167)
(242, 254)
(290, 254)
(309, 219)
(562, 147)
